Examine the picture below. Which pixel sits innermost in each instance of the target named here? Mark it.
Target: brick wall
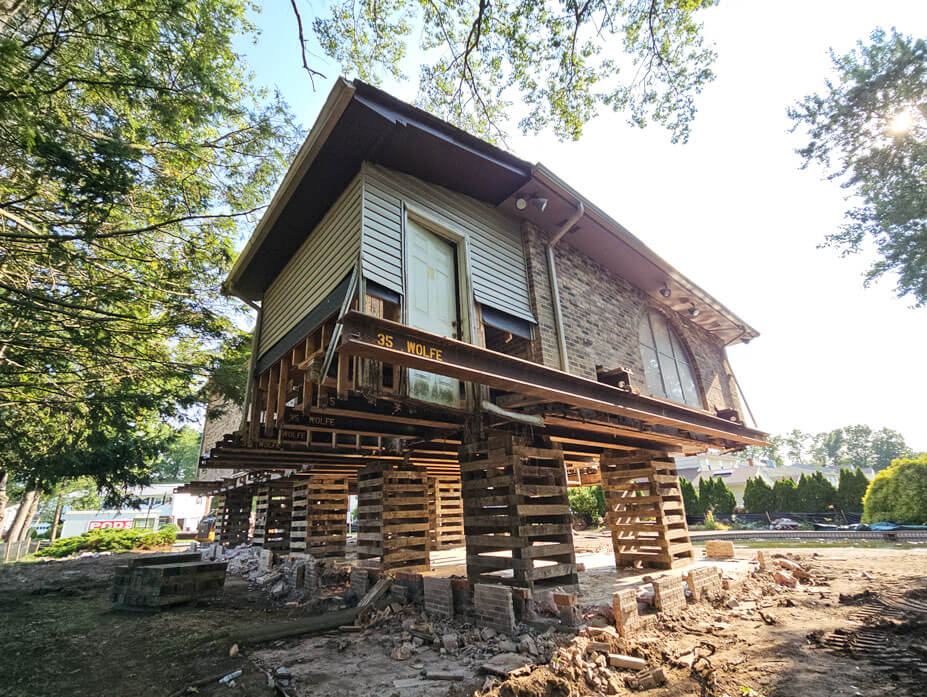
(601, 316)
(439, 597)
(493, 607)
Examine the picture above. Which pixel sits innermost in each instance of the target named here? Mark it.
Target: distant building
(151, 507)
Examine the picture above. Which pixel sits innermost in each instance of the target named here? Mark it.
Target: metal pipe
(249, 384)
(554, 288)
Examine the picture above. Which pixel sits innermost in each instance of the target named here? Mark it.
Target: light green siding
(317, 267)
(497, 256)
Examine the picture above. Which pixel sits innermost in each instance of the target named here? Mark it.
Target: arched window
(667, 367)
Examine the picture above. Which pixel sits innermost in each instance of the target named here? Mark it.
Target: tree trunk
(30, 517)
(21, 514)
(54, 529)
(4, 499)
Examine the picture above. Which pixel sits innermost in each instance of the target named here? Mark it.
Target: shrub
(110, 540)
(584, 504)
(689, 497)
(851, 489)
(784, 496)
(712, 524)
(758, 496)
(714, 495)
(814, 494)
(898, 493)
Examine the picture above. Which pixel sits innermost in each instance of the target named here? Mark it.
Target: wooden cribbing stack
(159, 580)
(273, 515)
(644, 510)
(327, 516)
(515, 502)
(298, 521)
(392, 516)
(445, 511)
(233, 517)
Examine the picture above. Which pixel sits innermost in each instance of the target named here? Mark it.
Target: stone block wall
(601, 317)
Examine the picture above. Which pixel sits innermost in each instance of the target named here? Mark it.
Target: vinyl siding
(317, 267)
(497, 257)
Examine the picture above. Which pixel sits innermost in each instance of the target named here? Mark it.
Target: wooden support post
(515, 502)
(644, 510)
(320, 516)
(233, 517)
(393, 516)
(273, 515)
(445, 512)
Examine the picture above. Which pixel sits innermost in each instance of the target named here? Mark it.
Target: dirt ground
(58, 636)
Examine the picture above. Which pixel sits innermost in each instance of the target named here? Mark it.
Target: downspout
(554, 289)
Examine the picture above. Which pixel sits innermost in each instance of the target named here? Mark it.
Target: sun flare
(902, 122)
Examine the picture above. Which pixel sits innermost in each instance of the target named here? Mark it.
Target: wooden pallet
(233, 517)
(445, 513)
(298, 521)
(163, 580)
(644, 510)
(516, 515)
(392, 516)
(273, 515)
(327, 516)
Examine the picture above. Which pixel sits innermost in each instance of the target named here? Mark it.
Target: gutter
(546, 177)
(555, 289)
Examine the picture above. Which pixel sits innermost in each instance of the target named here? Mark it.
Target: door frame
(457, 236)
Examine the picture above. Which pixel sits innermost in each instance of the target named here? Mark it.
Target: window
(667, 367)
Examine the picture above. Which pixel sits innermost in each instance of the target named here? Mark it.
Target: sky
(732, 209)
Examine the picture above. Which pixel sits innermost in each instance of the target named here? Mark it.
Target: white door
(432, 306)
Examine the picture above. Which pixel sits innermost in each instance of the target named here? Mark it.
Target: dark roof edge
(337, 101)
(547, 177)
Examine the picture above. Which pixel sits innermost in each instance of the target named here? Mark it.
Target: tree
(851, 488)
(583, 503)
(132, 148)
(784, 497)
(758, 496)
(814, 494)
(178, 463)
(858, 446)
(558, 60)
(869, 130)
(714, 495)
(886, 446)
(689, 497)
(898, 493)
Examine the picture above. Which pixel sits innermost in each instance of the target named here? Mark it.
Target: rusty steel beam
(392, 342)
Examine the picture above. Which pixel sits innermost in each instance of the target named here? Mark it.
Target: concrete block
(669, 595)
(439, 597)
(704, 582)
(719, 549)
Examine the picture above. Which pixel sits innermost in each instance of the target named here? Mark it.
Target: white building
(150, 507)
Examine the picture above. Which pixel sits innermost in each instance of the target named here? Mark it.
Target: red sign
(117, 524)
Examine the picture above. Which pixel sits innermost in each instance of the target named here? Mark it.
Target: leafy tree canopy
(131, 148)
(898, 493)
(869, 129)
(559, 60)
(857, 446)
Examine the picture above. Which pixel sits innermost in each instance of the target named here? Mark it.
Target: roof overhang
(360, 123)
(613, 246)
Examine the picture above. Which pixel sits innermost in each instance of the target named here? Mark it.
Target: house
(733, 471)
(152, 506)
(438, 317)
